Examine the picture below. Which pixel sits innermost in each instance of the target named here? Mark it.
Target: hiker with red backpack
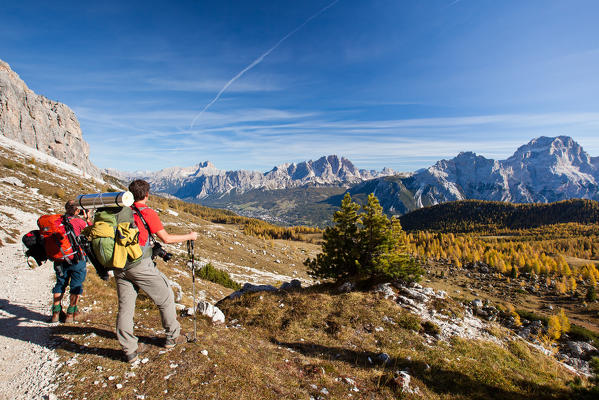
(60, 234)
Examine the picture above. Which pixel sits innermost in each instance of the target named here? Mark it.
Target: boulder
(210, 311)
(346, 287)
(249, 288)
(383, 358)
(11, 180)
(582, 350)
(294, 284)
(386, 291)
(415, 294)
(402, 378)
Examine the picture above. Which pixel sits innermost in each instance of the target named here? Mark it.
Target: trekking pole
(191, 253)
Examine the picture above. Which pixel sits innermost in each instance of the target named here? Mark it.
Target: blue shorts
(75, 274)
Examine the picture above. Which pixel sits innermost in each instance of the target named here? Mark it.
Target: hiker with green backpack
(142, 273)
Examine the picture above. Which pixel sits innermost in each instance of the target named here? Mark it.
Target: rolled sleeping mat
(110, 199)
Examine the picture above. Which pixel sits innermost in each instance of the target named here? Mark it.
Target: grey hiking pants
(147, 277)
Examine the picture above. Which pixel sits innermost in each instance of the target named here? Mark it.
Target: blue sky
(385, 83)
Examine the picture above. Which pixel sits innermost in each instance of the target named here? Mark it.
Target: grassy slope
(292, 345)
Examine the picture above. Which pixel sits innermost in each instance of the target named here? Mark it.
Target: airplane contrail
(259, 60)
(453, 3)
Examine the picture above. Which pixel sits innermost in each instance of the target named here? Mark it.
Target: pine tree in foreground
(364, 246)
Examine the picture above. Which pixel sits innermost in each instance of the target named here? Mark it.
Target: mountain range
(544, 170)
(203, 180)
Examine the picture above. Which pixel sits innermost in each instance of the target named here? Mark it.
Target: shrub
(109, 189)
(409, 321)
(563, 320)
(209, 273)
(11, 164)
(591, 295)
(594, 367)
(60, 194)
(431, 328)
(554, 328)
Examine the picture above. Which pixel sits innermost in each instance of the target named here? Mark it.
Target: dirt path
(28, 362)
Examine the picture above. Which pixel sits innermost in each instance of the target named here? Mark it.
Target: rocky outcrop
(43, 124)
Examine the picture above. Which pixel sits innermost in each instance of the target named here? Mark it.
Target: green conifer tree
(340, 247)
(366, 246)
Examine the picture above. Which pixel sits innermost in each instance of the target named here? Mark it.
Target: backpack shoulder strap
(143, 220)
(70, 231)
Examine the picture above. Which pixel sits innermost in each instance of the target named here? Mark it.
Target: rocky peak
(330, 168)
(45, 125)
(552, 149)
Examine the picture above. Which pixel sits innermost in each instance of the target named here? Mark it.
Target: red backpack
(59, 237)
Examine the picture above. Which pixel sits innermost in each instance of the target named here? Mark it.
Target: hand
(193, 235)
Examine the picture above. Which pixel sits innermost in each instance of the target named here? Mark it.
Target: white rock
(11, 180)
(210, 311)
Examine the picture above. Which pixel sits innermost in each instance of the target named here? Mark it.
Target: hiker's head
(139, 188)
(71, 208)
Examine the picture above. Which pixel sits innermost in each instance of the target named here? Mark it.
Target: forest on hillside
(494, 216)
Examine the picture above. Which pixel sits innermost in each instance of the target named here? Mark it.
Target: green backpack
(103, 232)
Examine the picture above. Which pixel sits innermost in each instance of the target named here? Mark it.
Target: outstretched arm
(167, 238)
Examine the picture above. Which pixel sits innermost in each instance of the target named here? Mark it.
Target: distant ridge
(472, 215)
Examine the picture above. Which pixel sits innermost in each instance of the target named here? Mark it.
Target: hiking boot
(32, 263)
(131, 358)
(72, 314)
(170, 343)
(56, 313)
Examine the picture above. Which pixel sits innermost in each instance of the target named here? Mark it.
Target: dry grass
(294, 344)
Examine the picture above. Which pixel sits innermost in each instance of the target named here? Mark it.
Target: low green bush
(409, 321)
(431, 328)
(209, 273)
